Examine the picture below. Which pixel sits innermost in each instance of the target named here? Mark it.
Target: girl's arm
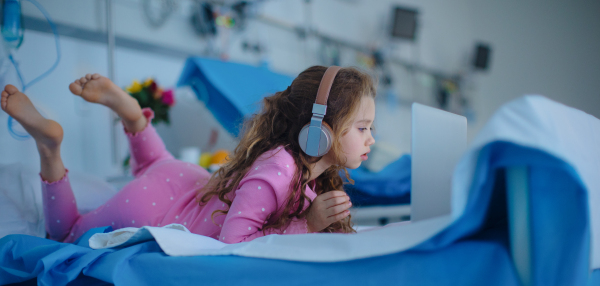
(253, 205)
(255, 201)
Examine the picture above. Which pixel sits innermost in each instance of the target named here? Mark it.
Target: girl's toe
(75, 87)
(11, 89)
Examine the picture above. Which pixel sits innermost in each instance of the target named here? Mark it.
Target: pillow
(20, 204)
(21, 209)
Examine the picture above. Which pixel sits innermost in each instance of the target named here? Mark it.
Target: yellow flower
(205, 159)
(134, 87)
(148, 82)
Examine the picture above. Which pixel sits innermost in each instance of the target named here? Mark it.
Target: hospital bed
(523, 213)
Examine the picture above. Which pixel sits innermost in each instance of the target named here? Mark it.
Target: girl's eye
(363, 129)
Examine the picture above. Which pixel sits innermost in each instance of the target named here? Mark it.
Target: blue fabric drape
(231, 91)
(559, 212)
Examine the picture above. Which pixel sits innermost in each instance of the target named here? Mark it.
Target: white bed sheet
(176, 240)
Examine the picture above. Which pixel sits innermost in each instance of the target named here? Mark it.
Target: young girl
(268, 186)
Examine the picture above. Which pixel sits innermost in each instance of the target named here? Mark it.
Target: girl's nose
(370, 141)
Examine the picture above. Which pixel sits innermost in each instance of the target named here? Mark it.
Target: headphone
(316, 137)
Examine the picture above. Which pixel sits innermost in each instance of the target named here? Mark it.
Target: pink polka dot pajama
(164, 191)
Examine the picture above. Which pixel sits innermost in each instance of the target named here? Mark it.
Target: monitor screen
(482, 55)
(404, 23)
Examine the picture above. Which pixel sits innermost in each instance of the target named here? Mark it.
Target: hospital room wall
(87, 139)
(549, 48)
(87, 144)
(564, 70)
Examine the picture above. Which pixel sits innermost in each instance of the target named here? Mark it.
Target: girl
(269, 185)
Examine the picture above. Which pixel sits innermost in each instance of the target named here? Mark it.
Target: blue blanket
(479, 261)
(390, 186)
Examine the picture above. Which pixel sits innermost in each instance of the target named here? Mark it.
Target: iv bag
(12, 28)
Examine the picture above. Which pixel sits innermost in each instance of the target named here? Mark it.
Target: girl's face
(356, 143)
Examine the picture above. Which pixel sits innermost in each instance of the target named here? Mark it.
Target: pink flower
(168, 97)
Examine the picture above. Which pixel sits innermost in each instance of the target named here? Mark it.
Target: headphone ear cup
(325, 141)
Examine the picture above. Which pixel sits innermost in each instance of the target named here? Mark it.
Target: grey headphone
(316, 137)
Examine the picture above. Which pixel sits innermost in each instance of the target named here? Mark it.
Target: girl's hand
(326, 209)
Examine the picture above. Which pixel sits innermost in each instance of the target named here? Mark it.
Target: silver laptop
(439, 139)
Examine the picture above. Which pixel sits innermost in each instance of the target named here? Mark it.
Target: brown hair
(282, 117)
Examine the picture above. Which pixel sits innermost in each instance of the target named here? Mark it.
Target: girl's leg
(146, 147)
(59, 207)
(63, 221)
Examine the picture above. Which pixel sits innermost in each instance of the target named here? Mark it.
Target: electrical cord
(25, 86)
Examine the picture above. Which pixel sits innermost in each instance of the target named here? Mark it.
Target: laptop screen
(439, 139)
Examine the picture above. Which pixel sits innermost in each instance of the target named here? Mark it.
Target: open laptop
(439, 139)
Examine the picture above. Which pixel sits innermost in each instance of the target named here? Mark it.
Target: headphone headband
(325, 85)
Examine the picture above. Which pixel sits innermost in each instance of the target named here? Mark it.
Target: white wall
(545, 47)
(87, 142)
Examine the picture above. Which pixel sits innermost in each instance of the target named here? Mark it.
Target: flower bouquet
(149, 94)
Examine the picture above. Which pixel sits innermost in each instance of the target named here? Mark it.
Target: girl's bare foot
(48, 134)
(98, 89)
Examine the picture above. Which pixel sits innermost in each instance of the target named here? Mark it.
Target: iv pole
(111, 75)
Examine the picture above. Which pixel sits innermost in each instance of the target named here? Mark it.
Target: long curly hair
(278, 124)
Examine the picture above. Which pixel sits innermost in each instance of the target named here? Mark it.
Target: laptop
(439, 139)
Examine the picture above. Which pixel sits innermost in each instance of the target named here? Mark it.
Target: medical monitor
(439, 139)
(404, 23)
